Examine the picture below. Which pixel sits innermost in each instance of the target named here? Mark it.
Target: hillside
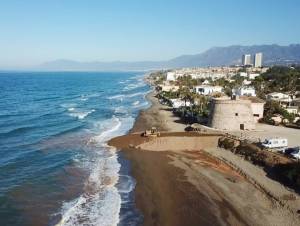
(231, 55)
(216, 56)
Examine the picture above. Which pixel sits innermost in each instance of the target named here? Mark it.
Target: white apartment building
(278, 96)
(246, 82)
(244, 91)
(253, 75)
(243, 74)
(246, 60)
(258, 60)
(177, 103)
(282, 98)
(171, 76)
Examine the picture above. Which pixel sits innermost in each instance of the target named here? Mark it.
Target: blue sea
(55, 165)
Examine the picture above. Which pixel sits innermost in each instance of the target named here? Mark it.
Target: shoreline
(154, 175)
(191, 187)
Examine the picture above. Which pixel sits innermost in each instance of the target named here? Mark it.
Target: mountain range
(216, 56)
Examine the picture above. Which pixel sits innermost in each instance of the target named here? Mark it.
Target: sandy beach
(182, 178)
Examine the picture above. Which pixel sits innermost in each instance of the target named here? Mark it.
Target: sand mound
(180, 143)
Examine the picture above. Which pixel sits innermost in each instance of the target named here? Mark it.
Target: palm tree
(186, 95)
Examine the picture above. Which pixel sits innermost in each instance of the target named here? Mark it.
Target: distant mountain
(216, 56)
(231, 55)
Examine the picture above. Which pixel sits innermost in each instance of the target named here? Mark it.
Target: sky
(35, 31)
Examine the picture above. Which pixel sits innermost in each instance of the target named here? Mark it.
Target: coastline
(177, 187)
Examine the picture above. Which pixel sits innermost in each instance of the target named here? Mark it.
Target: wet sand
(180, 184)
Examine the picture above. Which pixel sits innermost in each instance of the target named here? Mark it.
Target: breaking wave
(101, 201)
(123, 96)
(80, 115)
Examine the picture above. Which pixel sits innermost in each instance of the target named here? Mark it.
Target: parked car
(288, 151)
(296, 153)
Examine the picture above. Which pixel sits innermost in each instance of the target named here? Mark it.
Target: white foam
(135, 103)
(138, 77)
(85, 97)
(127, 184)
(135, 94)
(68, 105)
(121, 97)
(141, 105)
(106, 134)
(101, 201)
(81, 115)
(134, 86)
(121, 110)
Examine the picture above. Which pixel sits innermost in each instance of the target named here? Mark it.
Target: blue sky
(32, 32)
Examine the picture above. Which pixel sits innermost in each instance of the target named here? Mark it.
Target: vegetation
(199, 103)
(288, 174)
(187, 81)
(272, 108)
(278, 79)
(227, 85)
(158, 77)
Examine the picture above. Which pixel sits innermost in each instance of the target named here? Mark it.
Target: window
(236, 114)
(256, 115)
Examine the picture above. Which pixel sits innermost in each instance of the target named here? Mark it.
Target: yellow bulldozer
(153, 132)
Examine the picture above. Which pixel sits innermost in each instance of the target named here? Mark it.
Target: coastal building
(277, 96)
(177, 103)
(217, 72)
(257, 106)
(296, 102)
(168, 88)
(171, 76)
(292, 109)
(253, 75)
(258, 60)
(205, 82)
(244, 91)
(207, 90)
(243, 74)
(282, 98)
(247, 82)
(246, 60)
(231, 114)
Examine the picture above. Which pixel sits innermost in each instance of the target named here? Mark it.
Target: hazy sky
(32, 32)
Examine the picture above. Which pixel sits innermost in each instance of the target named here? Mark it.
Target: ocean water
(55, 165)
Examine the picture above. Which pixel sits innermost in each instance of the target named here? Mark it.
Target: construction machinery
(153, 132)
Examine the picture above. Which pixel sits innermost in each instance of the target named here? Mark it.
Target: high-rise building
(246, 60)
(258, 60)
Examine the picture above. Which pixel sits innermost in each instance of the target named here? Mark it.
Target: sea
(55, 165)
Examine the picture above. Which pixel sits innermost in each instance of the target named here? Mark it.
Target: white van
(275, 143)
